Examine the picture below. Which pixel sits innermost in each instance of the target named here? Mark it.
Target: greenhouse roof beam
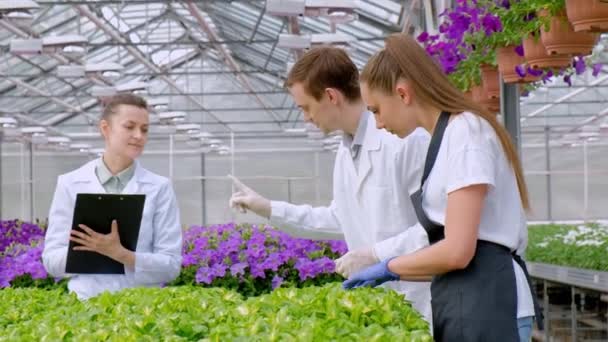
(211, 93)
(112, 32)
(566, 97)
(406, 16)
(62, 117)
(56, 100)
(119, 2)
(213, 36)
(61, 59)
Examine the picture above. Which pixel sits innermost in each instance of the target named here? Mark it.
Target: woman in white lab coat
(471, 201)
(157, 258)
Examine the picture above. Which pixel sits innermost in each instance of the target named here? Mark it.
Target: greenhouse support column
(171, 157)
(548, 169)
(22, 180)
(573, 316)
(509, 107)
(317, 182)
(31, 181)
(203, 192)
(585, 180)
(547, 319)
(232, 212)
(232, 153)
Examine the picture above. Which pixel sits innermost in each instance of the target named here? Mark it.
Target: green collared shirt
(113, 184)
(353, 143)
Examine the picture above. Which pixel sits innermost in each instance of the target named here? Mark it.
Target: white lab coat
(372, 207)
(159, 245)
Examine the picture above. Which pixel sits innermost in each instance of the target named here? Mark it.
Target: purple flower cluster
(17, 232)
(21, 262)
(20, 251)
(579, 65)
(449, 47)
(249, 253)
(471, 22)
(258, 258)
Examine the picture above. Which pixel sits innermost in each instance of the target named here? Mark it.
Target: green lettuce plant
(188, 313)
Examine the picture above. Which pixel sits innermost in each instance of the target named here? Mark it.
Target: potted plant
(516, 22)
(559, 36)
(512, 65)
(588, 15)
(537, 56)
(481, 96)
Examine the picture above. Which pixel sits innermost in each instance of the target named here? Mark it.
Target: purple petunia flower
(597, 68)
(520, 70)
(504, 4)
(519, 49)
(423, 37)
(548, 75)
(238, 268)
(276, 282)
(579, 65)
(491, 23)
(534, 72)
(203, 275)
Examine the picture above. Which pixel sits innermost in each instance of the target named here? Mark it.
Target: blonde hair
(403, 58)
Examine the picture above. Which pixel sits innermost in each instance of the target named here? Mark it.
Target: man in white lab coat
(374, 173)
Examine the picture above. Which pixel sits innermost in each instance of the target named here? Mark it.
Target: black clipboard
(97, 211)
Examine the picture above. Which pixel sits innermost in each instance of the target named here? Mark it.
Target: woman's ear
(404, 91)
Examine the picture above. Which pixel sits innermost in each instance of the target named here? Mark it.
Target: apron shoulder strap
(431, 153)
(435, 232)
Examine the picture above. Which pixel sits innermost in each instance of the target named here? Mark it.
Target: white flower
(590, 243)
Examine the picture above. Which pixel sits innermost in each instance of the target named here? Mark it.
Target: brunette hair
(326, 67)
(122, 99)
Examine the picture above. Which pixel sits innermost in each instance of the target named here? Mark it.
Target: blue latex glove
(372, 276)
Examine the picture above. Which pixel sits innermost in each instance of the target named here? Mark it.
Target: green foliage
(48, 283)
(468, 73)
(518, 21)
(185, 313)
(584, 246)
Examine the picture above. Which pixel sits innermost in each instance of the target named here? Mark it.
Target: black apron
(479, 302)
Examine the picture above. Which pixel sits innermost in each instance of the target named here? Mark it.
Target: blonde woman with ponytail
(471, 203)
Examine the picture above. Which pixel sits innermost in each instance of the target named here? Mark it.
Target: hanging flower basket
(537, 57)
(561, 39)
(508, 60)
(490, 80)
(588, 15)
(480, 96)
